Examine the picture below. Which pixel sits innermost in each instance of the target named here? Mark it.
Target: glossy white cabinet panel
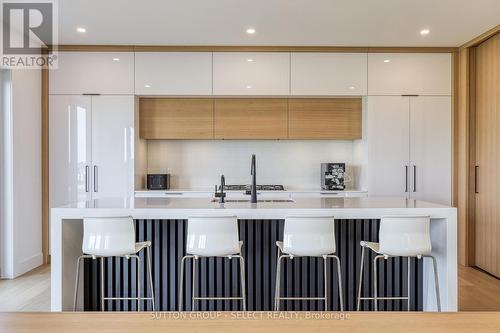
(112, 146)
(388, 145)
(430, 148)
(93, 73)
(328, 74)
(409, 73)
(69, 149)
(173, 73)
(251, 73)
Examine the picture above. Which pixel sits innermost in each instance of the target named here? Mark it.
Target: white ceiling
(277, 22)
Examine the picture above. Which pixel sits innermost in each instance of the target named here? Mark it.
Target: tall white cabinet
(409, 147)
(112, 146)
(409, 126)
(91, 147)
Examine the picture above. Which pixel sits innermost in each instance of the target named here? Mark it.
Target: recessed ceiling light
(250, 31)
(424, 32)
(249, 87)
(116, 59)
(147, 86)
(81, 30)
(387, 61)
(352, 88)
(250, 60)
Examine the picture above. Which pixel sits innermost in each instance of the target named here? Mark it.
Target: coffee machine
(333, 176)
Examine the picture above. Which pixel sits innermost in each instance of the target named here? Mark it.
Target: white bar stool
(308, 236)
(212, 236)
(113, 237)
(400, 236)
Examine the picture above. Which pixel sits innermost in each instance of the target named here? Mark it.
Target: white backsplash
(293, 163)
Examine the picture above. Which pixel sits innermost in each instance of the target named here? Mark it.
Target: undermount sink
(260, 200)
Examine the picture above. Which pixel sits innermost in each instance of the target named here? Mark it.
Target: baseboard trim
(28, 264)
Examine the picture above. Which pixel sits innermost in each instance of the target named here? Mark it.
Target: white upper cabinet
(328, 74)
(409, 73)
(173, 73)
(251, 73)
(93, 73)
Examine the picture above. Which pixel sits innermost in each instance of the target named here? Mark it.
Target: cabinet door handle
(414, 178)
(96, 177)
(87, 178)
(406, 178)
(476, 178)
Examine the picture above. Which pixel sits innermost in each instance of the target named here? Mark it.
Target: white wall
(27, 175)
(6, 241)
(23, 160)
(199, 163)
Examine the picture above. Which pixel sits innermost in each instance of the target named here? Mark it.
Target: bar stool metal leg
(243, 284)
(360, 277)
(339, 273)
(181, 288)
(375, 282)
(408, 282)
(77, 278)
(436, 281)
(138, 282)
(193, 284)
(148, 252)
(102, 283)
(325, 283)
(278, 283)
(276, 286)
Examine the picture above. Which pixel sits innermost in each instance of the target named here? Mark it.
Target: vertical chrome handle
(414, 178)
(406, 178)
(96, 177)
(87, 178)
(476, 177)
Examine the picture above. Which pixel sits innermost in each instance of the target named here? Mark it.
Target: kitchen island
(163, 221)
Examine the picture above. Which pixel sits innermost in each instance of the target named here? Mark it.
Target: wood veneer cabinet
(251, 118)
(324, 118)
(176, 118)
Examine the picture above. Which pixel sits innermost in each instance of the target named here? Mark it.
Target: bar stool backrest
(209, 236)
(108, 236)
(406, 236)
(309, 235)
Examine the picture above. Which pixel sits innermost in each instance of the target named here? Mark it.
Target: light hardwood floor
(478, 291)
(28, 293)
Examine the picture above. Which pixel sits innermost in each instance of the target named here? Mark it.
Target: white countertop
(367, 207)
(205, 190)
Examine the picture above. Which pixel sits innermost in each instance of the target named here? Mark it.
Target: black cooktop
(248, 188)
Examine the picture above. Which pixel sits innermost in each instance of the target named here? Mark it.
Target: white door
(112, 146)
(430, 148)
(69, 149)
(388, 146)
